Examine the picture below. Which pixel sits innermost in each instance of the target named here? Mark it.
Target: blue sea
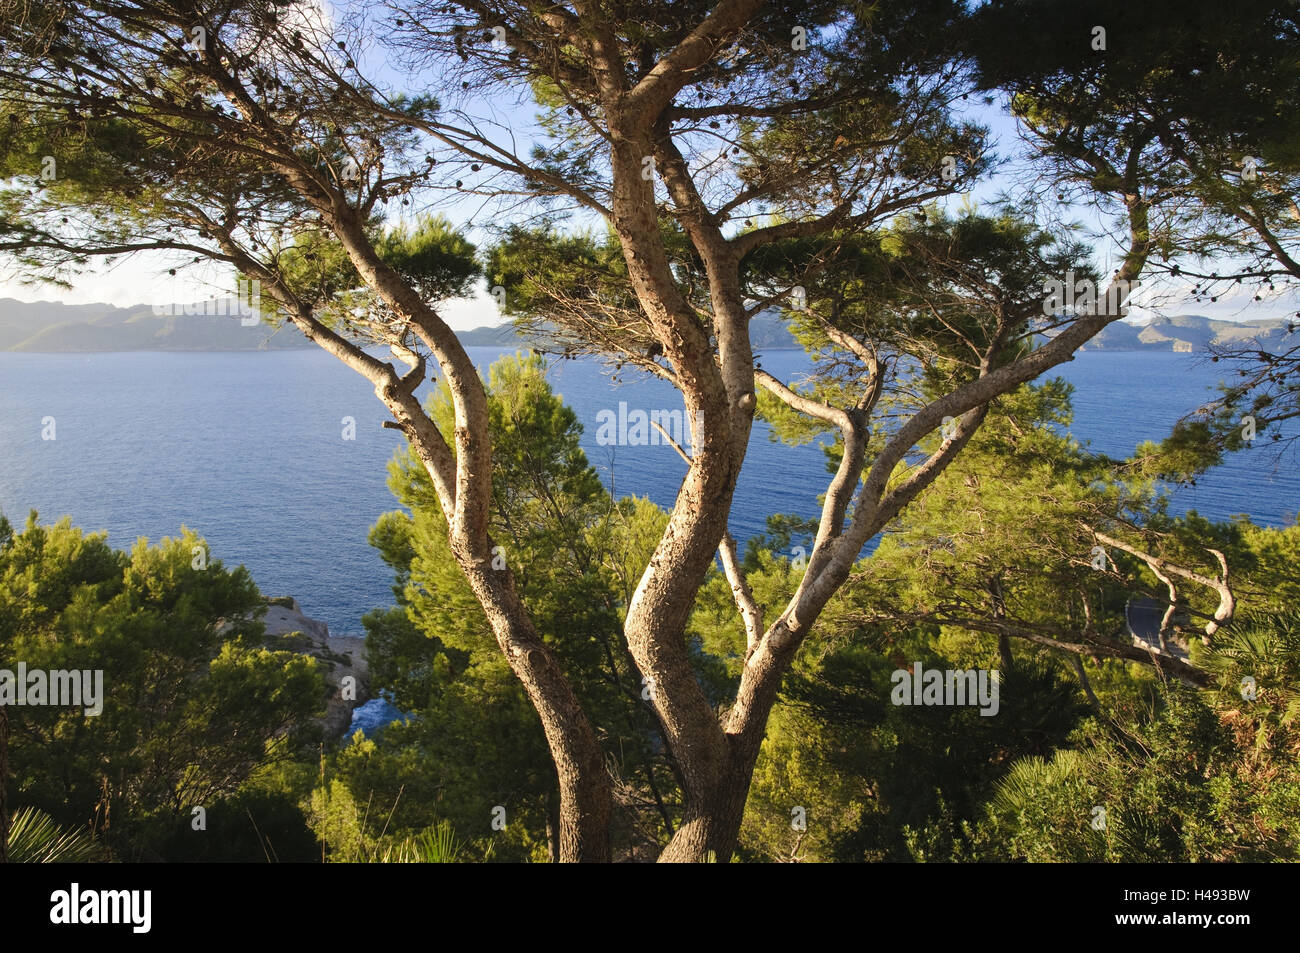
(248, 450)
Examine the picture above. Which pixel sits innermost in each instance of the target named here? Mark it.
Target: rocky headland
(339, 657)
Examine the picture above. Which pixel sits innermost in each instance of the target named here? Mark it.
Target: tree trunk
(1004, 652)
(463, 482)
(553, 827)
(710, 828)
(586, 800)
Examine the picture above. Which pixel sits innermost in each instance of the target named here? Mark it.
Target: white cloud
(144, 281)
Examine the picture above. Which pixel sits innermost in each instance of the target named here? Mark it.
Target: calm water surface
(248, 450)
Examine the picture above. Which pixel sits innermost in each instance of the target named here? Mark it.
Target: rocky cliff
(339, 657)
(1192, 334)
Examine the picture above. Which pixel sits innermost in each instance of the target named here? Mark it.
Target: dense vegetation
(197, 714)
(195, 706)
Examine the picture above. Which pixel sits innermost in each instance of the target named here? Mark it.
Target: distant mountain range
(1190, 333)
(51, 327)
